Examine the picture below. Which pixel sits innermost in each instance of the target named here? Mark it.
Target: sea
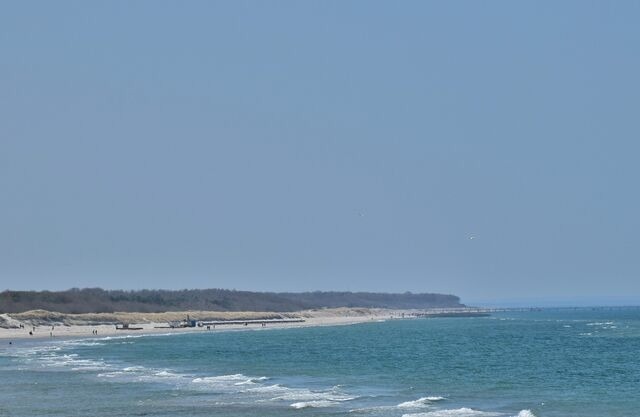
(545, 363)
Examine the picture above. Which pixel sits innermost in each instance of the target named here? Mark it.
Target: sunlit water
(560, 363)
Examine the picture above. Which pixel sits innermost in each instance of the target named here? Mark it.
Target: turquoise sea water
(560, 363)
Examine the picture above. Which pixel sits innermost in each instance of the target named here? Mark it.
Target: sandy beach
(47, 325)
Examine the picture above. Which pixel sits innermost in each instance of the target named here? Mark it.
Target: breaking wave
(420, 402)
(314, 404)
(458, 412)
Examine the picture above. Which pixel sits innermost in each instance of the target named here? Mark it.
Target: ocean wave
(277, 392)
(420, 402)
(53, 356)
(457, 412)
(143, 374)
(314, 404)
(466, 412)
(251, 381)
(167, 374)
(33, 351)
(134, 369)
(72, 362)
(220, 378)
(228, 382)
(302, 394)
(74, 343)
(234, 384)
(113, 374)
(275, 388)
(136, 336)
(237, 388)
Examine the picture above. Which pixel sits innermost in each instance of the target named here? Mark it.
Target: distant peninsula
(97, 300)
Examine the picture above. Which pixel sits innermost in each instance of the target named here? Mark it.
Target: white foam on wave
(220, 378)
(267, 389)
(134, 369)
(32, 352)
(113, 374)
(303, 394)
(420, 402)
(225, 383)
(314, 404)
(88, 365)
(219, 382)
(466, 412)
(251, 381)
(167, 374)
(72, 362)
(55, 355)
(600, 323)
(82, 342)
(140, 373)
(457, 412)
(603, 325)
(135, 336)
(143, 374)
(300, 396)
(252, 388)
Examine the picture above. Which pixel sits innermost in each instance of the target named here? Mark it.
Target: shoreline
(145, 325)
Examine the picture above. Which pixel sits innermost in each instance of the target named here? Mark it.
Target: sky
(484, 149)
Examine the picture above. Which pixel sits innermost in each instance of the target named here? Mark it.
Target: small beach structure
(126, 326)
(188, 322)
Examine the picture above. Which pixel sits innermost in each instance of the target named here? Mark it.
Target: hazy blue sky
(347, 145)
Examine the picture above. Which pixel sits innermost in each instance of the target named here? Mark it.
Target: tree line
(98, 300)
